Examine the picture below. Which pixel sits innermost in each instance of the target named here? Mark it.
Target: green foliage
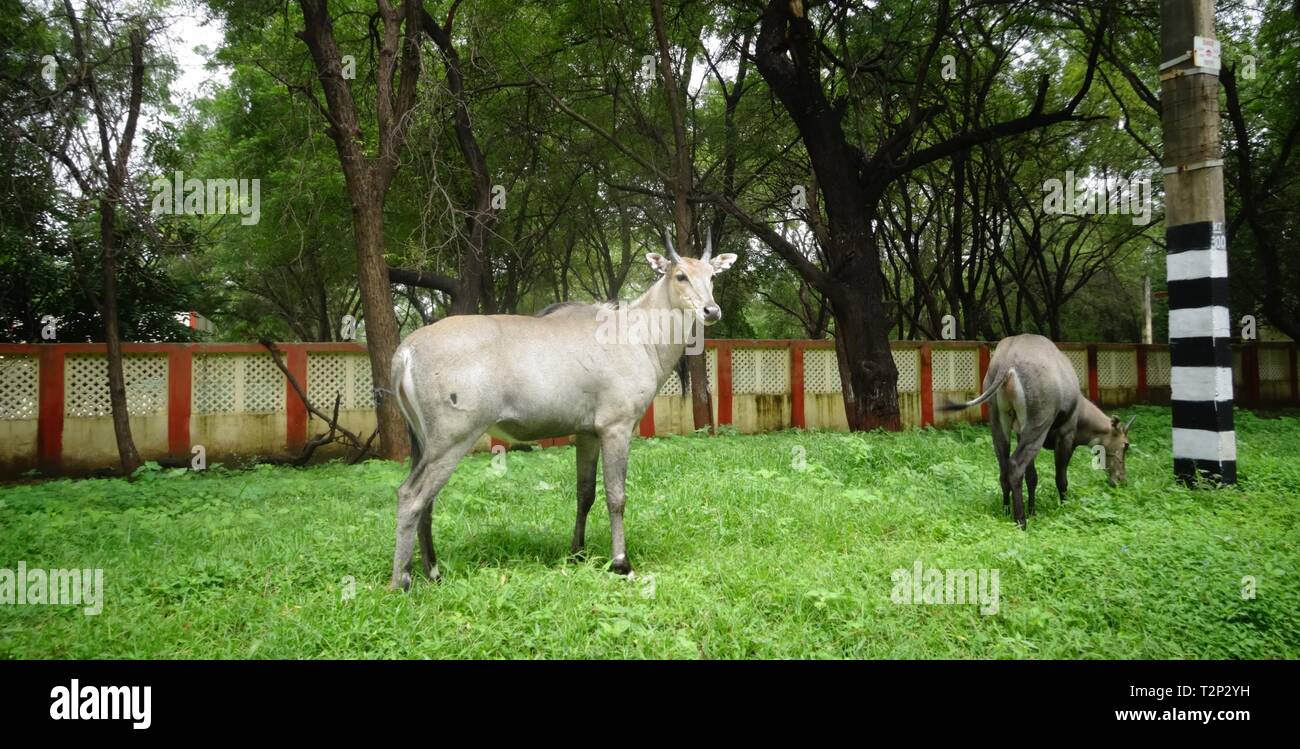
(1264, 53)
(49, 241)
(580, 211)
(738, 554)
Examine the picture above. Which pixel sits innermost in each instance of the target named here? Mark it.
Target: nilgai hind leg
(1029, 442)
(1002, 449)
(415, 499)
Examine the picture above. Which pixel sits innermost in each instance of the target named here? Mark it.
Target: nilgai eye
(681, 276)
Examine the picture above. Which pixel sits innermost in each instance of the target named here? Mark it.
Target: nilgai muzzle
(1035, 393)
(568, 370)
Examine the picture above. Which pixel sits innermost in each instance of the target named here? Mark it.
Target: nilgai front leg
(427, 554)
(613, 449)
(1064, 450)
(588, 455)
(1031, 478)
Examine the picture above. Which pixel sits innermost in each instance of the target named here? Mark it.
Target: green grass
(738, 555)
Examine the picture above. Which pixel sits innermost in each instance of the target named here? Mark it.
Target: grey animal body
(523, 378)
(1033, 391)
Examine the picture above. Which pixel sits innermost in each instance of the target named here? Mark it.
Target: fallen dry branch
(336, 432)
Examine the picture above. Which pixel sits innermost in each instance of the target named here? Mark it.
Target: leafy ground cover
(768, 546)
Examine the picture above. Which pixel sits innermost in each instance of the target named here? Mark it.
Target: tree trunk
(1249, 189)
(367, 179)
(787, 61)
(683, 178)
(846, 381)
(382, 334)
(701, 402)
(126, 451)
(867, 358)
(857, 302)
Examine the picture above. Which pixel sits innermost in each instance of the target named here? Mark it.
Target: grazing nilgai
(589, 370)
(1035, 394)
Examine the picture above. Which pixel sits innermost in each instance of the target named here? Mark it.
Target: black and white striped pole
(1204, 442)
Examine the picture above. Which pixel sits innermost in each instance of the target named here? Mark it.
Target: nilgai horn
(1035, 393)
(527, 378)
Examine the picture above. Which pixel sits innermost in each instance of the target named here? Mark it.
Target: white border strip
(1199, 322)
(1200, 383)
(1192, 167)
(1171, 74)
(1201, 444)
(1170, 63)
(1191, 264)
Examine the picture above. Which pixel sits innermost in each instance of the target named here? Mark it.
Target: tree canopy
(882, 169)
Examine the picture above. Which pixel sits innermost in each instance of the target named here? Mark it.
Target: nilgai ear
(723, 261)
(1114, 423)
(660, 263)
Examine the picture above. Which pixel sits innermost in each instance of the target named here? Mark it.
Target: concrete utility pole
(1197, 261)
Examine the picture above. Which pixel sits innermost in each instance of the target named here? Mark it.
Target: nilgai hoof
(402, 583)
(433, 574)
(621, 565)
(578, 554)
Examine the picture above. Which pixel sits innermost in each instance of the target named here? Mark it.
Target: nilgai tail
(989, 392)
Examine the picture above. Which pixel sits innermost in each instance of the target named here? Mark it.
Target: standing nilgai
(527, 378)
(1036, 394)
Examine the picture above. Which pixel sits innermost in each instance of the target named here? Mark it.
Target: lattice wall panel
(760, 371)
(85, 385)
(672, 386)
(1274, 365)
(363, 385)
(329, 376)
(1079, 360)
(1117, 369)
(237, 383)
(263, 385)
(19, 387)
(214, 383)
(954, 370)
(821, 371)
(908, 363)
(1158, 369)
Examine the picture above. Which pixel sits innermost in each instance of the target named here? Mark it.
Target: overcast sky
(191, 30)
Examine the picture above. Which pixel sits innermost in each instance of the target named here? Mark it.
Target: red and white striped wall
(230, 398)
